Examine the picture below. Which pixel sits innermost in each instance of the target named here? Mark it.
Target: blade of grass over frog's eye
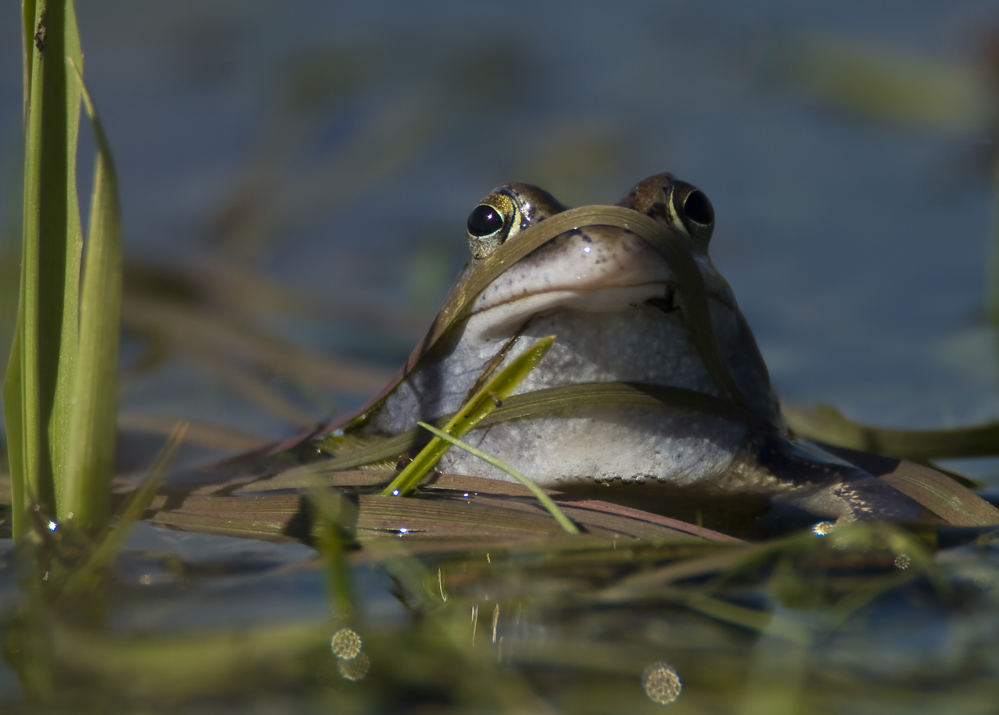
(692, 290)
(39, 382)
(89, 462)
(130, 513)
(480, 405)
(545, 500)
(826, 424)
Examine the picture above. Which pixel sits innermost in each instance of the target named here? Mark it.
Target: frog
(621, 313)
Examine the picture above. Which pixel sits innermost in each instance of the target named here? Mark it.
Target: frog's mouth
(502, 319)
(593, 269)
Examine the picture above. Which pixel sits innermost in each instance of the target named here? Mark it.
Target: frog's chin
(505, 319)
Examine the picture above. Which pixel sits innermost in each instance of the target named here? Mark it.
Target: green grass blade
(14, 427)
(90, 448)
(538, 493)
(51, 241)
(481, 404)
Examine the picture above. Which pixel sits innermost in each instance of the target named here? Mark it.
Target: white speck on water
(823, 528)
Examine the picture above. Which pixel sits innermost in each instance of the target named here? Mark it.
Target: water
(857, 248)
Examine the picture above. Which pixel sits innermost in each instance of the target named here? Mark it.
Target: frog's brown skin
(610, 299)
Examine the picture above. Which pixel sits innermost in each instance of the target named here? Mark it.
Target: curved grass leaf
(826, 424)
(89, 462)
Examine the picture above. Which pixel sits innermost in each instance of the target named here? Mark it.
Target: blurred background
(296, 177)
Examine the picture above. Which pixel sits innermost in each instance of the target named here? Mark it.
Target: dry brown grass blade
(453, 507)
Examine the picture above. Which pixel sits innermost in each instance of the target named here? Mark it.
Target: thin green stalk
(546, 501)
(481, 404)
(39, 380)
(89, 465)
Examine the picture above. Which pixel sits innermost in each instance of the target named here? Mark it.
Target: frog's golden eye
(490, 224)
(484, 220)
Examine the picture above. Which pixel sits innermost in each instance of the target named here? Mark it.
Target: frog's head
(599, 268)
(622, 308)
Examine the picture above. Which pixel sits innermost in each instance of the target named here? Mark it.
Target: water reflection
(346, 644)
(661, 683)
(352, 662)
(354, 669)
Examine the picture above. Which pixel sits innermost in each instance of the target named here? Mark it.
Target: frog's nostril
(484, 220)
(697, 208)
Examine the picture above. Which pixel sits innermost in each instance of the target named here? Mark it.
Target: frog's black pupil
(698, 208)
(484, 220)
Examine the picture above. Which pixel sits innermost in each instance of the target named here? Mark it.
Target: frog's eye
(490, 224)
(697, 208)
(691, 206)
(484, 220)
